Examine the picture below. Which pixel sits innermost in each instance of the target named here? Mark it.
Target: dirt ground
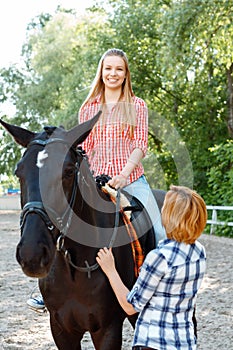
(21, 328)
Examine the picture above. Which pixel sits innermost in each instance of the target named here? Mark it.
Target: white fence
(13, 203)
(214, 220)
(10, 202)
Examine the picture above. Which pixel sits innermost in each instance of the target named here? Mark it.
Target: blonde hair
(184, 214)
(126, 108)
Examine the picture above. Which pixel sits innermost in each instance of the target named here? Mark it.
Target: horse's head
(48, 166)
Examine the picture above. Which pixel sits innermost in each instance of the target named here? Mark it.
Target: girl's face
(113, 72)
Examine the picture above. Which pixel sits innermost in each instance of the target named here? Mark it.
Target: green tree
(59, 59)
(220, 179)
(197, 59)
(181, 55)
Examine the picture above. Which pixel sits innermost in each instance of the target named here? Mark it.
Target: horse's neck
(91, 202)
(93, 214)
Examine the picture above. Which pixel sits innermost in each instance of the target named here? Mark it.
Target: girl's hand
(106, 260)
(118, 181)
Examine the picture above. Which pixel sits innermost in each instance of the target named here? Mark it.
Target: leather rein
(63, 225)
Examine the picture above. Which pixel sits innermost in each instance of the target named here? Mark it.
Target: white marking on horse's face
(40, 157)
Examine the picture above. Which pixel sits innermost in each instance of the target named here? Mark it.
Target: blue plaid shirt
(165, 294)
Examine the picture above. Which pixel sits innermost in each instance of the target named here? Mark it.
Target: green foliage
(220, 180)
(60, 68)
(9, 154)
(220, 175)
(178, 58)
(191, 33)
(11, 182)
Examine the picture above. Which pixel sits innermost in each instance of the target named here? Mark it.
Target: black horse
(65, 219)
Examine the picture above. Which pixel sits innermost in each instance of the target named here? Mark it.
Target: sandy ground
(21, 328)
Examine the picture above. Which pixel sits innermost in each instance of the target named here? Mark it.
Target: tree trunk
(230, 100)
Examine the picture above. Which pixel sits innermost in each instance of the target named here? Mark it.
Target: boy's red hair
(184, 214)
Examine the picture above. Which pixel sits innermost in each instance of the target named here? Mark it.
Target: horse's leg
(109, 337)
(132, 319)
(63, 339)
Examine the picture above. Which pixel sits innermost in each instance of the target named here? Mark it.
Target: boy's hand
(106, 260)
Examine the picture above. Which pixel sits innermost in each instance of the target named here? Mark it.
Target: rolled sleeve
(132, 298)
(140, 139)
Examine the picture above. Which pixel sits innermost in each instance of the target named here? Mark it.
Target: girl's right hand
(118, 181)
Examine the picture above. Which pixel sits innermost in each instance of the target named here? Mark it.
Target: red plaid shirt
(109, 146)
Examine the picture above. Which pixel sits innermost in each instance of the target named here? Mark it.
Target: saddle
(136, 219)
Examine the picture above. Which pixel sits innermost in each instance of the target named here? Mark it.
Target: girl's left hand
(106, 260)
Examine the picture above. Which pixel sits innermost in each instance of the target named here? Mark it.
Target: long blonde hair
(184, 214)
(126, 108)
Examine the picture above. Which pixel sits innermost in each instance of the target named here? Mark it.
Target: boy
(166, 289)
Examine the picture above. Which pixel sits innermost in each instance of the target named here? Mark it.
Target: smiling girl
(119, 140)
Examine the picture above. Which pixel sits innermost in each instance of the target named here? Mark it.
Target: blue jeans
(142, 191)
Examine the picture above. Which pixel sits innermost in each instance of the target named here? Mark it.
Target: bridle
(38, 207)
(63, 225)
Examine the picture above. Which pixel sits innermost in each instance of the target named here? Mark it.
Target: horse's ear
(21, 136)
(80, 132)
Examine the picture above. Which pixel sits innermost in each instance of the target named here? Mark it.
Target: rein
(117, 217)
(38, 208)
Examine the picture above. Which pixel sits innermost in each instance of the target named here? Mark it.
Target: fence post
(214, 219)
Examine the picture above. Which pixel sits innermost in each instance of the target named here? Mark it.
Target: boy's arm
(106, 261)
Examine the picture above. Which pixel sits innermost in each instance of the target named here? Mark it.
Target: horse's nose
(45, 257)
(34, 263)
(18, 255)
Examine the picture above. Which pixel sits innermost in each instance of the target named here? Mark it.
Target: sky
(15, 15)
(14, 18)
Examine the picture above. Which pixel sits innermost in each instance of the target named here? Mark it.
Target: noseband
(38, 208)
